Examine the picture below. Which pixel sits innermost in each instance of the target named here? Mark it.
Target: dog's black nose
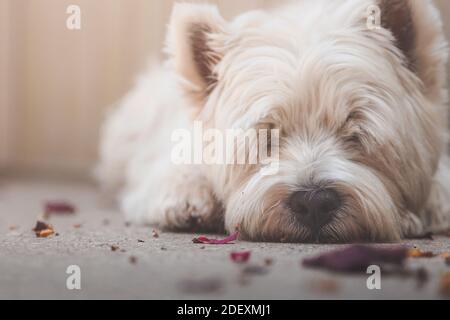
(315, 208)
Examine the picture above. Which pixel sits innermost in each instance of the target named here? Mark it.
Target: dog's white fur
(361, 111)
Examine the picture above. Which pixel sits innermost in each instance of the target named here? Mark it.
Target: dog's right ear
(194, 46)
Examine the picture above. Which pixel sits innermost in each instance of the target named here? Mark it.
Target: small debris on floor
(444, 286)
(13, 227)
(254, 270)
(155, 234)
(268, 262)
(140, 241)
(43, 230)
(114, 248)
(324, 286)
(422, 277)
(201, 286)
(240, 257)
(78, 225)
(447, 260)
(227, 240)
(417, 253)
(132, 259)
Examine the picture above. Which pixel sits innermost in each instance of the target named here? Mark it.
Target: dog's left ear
(417, 29)
(193, 44)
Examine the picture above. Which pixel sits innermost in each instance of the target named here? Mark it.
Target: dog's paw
(184, 202)
(192, 208)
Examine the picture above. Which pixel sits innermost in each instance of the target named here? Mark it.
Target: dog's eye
(351, 130)
(354, 139)
(352, 117)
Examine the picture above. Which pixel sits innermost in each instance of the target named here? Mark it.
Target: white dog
(358, 99)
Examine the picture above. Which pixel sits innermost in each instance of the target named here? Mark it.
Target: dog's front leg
(182, 199)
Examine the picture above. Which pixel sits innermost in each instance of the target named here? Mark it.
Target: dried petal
(357, 258)
(227, 240)
(240, 257)
(58, 207)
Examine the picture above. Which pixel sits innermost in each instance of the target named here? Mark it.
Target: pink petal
(59, 207)
(355, 258)
(227, 240)
(240, 257)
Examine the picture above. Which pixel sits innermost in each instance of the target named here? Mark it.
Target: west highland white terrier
(354, 89)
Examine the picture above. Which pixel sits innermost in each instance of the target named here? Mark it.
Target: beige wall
(5, 87)
(56, 84)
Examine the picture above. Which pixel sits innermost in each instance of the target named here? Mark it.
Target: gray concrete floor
(168, 267)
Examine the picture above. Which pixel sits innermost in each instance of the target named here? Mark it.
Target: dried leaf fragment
(43, 230)
(417, 253)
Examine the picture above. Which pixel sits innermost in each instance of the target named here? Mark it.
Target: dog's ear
(417, 29)
(193, 45)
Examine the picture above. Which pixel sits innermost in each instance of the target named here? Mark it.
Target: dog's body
(361, 113)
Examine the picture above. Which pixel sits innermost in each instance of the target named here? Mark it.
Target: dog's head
(359, 111)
